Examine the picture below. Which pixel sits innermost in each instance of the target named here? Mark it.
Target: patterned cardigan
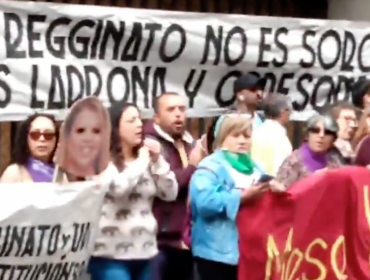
(293, 168)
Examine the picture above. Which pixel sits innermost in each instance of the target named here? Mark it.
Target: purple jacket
(171, 216)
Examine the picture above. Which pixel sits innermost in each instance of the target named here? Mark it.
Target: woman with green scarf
(223, 182)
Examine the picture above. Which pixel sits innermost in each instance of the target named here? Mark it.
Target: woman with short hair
(223, 182)
(315, 154)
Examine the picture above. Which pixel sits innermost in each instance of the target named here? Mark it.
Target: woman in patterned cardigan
(315, 154)
(126, 239)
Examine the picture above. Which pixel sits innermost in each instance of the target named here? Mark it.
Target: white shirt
(243, 181)
(270, 146)
(127, 227)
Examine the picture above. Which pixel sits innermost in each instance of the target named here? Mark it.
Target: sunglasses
(317, 130)
(36, 135)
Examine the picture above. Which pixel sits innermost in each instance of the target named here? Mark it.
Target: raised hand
(154, 148)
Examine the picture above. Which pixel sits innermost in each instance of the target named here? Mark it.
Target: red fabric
(326, 206)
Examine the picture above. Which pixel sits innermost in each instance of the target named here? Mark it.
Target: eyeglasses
(317, 130)
(36, 135)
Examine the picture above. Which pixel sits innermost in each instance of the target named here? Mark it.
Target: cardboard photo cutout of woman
(84, 141)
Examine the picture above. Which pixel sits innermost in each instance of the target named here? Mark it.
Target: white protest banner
(54, 54)
(47, 230)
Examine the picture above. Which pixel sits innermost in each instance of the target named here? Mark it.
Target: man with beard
(183, 154)
(248, 95)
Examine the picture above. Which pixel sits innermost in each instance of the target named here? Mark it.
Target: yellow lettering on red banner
(291, 271)
(274, 257)
(367, 205)
(287, 265)
(314, 261)
(334, 254)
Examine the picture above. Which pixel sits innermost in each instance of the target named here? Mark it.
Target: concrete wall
(358, 10)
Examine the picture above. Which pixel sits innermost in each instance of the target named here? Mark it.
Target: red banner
(318, 230)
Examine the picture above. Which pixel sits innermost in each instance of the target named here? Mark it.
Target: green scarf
(241, 162)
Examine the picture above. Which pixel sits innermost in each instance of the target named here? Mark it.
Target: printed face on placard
(83, 148)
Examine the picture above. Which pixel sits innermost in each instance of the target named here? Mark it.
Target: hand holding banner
(318, 229)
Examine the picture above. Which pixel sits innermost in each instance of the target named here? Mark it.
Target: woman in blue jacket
(223, 182)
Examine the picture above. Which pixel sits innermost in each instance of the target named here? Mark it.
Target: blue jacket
(214, 206)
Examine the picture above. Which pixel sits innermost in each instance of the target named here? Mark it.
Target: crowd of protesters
(172, 201)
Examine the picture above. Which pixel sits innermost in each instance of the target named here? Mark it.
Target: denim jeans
(110, 269)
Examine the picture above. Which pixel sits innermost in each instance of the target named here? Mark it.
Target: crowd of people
(171, 201)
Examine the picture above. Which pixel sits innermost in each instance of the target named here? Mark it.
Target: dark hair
(115, 113)
(358, 91)
(362, 130)
(21, 151)
(210, 136)
(158, 99)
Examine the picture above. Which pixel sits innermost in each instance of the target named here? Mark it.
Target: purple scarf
(312, 161)
(39, 171)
